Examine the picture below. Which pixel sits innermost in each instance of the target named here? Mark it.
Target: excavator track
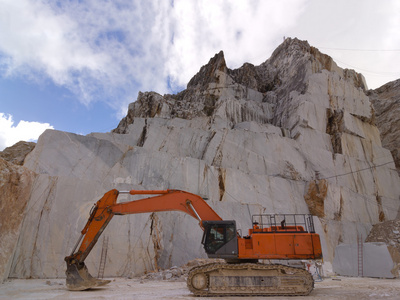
(249, 279)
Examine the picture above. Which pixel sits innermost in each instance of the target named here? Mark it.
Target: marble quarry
(296, 134)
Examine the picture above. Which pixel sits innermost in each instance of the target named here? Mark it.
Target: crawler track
(249, 279)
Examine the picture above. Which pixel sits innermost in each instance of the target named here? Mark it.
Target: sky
(75, 65)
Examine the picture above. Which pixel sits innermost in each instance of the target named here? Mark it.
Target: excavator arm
(78, 277)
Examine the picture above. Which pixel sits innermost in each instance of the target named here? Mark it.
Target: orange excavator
(272, 237)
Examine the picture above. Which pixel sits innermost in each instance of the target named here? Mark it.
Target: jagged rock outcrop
(210, 93)
(16, 153)
(293, 135)
(16, 183)
(386, 101)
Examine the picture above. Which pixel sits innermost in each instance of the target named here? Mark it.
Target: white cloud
(109, 50)
(342, 24)
(23, 131)
(36, 40)
(247, 31)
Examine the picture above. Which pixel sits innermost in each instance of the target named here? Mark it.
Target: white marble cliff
(294, 135)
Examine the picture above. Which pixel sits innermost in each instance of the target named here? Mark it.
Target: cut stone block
(376, 261)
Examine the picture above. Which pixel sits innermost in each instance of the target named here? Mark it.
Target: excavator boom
(78, 277)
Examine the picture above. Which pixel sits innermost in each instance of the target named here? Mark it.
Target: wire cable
(360, 50)
(367, 71)
(328, 177)
(352, 172)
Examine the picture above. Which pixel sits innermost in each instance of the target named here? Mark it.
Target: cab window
(218, 235)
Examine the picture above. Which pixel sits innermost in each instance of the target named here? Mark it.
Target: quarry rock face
(295, 134)
(386, 102)
(16, 183)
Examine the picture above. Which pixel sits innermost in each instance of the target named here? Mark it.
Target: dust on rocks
(177, 273)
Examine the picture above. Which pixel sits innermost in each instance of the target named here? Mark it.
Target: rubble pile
(387, 232)
(178, 273)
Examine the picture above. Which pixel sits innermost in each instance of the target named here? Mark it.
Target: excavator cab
(220, 239)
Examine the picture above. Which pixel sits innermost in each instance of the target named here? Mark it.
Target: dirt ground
(122, 288)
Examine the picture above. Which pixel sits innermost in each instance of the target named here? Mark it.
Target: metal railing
(284, 223)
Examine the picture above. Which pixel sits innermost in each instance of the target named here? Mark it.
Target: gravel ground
(137, 288)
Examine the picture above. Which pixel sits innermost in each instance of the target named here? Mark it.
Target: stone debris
(387, 232)
(53, 283)
(173, 273)
(178, 273)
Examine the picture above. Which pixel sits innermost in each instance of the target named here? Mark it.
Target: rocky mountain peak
(250, 93)
(209, 73)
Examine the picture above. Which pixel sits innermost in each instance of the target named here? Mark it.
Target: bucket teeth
(79, 278)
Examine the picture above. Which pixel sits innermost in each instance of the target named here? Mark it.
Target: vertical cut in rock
(143, 136)
(221, 183)
(334, 128)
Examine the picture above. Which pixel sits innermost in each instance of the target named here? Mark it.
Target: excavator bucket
(79, 279)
